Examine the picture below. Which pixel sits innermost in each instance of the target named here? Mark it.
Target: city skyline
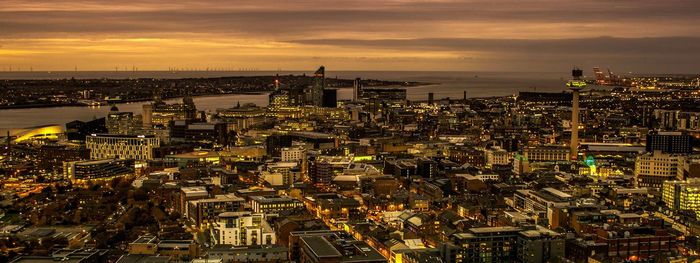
(629, 36)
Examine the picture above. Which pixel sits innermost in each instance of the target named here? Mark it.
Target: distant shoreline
(39, 106)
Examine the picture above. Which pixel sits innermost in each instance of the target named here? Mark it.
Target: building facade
(107, 146)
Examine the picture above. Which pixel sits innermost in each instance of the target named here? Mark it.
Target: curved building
(39, 132)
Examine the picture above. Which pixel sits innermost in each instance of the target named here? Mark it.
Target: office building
(543, 202)
(107, 146)
(682, 195)
(122, 122)
(652, 169)
(293, 154)
(162, 250)
(670, 142)
(160, 113)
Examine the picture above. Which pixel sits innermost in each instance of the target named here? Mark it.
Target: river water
(447, 84)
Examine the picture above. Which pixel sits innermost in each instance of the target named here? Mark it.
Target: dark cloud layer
(496, 33)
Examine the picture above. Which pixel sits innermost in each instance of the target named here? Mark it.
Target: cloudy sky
(651, 36)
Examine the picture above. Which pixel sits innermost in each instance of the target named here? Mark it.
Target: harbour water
(446, 84)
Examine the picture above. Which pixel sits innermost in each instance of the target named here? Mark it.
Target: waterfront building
(122, 122)
(160, 113)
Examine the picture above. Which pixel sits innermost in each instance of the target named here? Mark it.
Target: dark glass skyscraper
(318, 87)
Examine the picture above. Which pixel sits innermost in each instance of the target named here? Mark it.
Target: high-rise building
(78, 130)
(330, 98)
(576, 85)
(316, 94)
(357, 89)
(107, 146)
(121, 122)
(160, 113)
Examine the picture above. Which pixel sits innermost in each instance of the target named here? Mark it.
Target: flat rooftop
(496, 229)
(321, 247)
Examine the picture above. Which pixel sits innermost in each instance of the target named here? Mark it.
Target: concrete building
(652, 169)
(242, 229)
(497, 156)
(293, 154)
(548, 153)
